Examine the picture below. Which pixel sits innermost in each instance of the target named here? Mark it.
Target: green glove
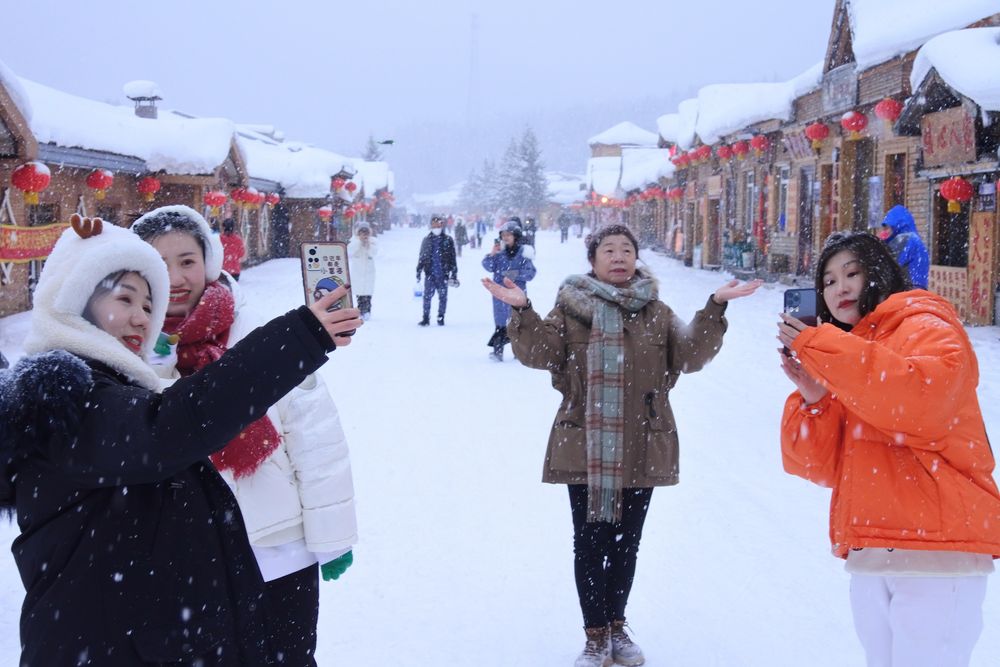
(337, 566)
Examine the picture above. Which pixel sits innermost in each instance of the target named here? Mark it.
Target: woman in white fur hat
(290, 469)
(132, 548)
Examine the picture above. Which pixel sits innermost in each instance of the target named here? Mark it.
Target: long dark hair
(883, 275)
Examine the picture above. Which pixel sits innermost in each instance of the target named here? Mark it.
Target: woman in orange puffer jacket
(886, 414)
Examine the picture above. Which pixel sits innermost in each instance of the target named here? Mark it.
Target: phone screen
(801, 304)
(324, 269)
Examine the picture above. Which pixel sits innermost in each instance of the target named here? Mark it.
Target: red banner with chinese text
(24, 244)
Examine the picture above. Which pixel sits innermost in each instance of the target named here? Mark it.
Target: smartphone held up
(800, 303)
(324, 269)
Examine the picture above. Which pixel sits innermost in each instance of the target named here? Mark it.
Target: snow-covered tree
(511, 191)
(372, 152)
(534, 185)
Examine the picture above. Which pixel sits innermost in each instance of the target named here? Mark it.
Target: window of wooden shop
(43, 214)
(860, 156)
(951, 238)
(895, 180)
(783, 176)
(749, 202)
(109, 213)
(828, 202)
(809, 196)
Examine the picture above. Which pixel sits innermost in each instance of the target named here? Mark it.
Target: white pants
(918, 621)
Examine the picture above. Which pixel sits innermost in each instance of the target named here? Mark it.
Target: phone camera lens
(794, 299)
(312, 251)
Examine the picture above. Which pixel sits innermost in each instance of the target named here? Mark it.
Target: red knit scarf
(203, 337)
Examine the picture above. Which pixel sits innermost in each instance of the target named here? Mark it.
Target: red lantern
(889, 110)
(349, 212)
(31, 178)
(350, 186)
(337, 183)
(724, 152)
(817, 133)
(272, 199)
(252, 197)
(760, 143)
(325, 213)
(957, 191)
(100, 180)
(855, 123)
(148, 186)
(214, 200)
(740, 149)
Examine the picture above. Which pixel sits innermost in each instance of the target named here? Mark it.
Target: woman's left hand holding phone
(340, 323)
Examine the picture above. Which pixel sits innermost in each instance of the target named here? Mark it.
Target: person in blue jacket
(509, 258)
(900, 233)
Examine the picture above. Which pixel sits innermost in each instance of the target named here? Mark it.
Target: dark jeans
(605, 555)
(365, 304)
(293, 612)
(440, 285)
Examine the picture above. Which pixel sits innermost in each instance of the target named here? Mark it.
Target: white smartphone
(324, 269)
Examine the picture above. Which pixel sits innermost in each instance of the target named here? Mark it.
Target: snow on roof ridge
(952, 52)
(16, 91)
(625, 133)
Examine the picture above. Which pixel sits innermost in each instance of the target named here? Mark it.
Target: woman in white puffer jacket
(290, 470)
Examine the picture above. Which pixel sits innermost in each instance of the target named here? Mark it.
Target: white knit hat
(183, 218)
(72, 271)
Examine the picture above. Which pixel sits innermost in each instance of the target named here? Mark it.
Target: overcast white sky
(331, 72)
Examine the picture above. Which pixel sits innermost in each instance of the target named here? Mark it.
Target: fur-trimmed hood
(74, 268)
(161, 219)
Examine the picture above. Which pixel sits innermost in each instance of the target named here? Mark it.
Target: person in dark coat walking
(438, 265)
(508, 259)
(900, 232)
(564, 223)
(461, 235)
(530, 228)
(133, 550)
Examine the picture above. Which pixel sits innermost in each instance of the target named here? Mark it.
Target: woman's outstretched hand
(341, 323)
(810, 389)
(734, 290)
(509, 293)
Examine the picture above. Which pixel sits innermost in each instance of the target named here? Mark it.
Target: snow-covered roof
(372, 176)
(16, 91)
(142, 89)
(967, 60)
(668, 124)
(564, 188)
(625, 134)
(884, 29)
(303, 170)
(175, 144)
(644, 166)
(687, 119)
(808, 81)
(724, 108)
(603, 175)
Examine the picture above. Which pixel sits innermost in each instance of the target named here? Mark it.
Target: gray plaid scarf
(606, 388)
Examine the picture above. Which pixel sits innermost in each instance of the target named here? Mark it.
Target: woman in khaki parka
(615, 351)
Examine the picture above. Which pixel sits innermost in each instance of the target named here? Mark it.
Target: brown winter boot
(597, 650)
(623, 650)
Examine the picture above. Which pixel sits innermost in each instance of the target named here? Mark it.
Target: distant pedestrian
(507, 259)
(438, 265)
(233, 249)
(900, 232)
(361, 252)
(564, 223)
(530, 228)
(461, 234)
(481, 230)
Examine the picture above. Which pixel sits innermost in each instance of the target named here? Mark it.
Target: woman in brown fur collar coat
(615, 351)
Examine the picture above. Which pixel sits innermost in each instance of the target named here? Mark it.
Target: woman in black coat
(132, 548)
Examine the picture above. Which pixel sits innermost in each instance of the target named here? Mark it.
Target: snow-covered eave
(967, 61)
(644, 166)
(625, 133)
(604, 175)
(15, 113)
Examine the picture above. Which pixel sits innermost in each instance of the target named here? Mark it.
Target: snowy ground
(466, 558)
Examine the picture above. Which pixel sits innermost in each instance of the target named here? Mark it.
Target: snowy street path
(466, 558)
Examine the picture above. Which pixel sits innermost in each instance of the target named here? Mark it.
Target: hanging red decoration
(817, 133)
(889, 110)
(336, 184)
(350, 186)
(855, 123)
(957, 191)
(724, 152)
(31, 178)
(252, 197)
(272, 199)
(740, 149)
(215, 200)
(100, 180)
(760, 143)
(148, 186)
(325, 213)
